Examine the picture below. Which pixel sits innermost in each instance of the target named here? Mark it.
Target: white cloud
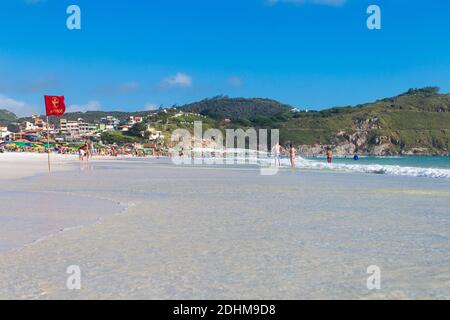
(20, 108)
(90, 106)
(180, 80)
(150, 107)
(335, 3)
(10, 104)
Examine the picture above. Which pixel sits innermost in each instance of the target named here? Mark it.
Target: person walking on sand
(83, 152)
(292, 155)
(91, 149)
(329, 155)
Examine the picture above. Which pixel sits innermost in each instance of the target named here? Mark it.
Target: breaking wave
(376, 169)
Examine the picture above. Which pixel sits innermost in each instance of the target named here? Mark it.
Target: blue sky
(138, 54)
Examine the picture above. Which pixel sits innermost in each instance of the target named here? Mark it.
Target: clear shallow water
(26, 217)
(225, 233)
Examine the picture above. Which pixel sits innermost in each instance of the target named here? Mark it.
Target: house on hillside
(131, 122)
(76, 130)
(26, 126)
(39, 123)
(154, 134)
(135, 119)
(4, 134)
(110, 122)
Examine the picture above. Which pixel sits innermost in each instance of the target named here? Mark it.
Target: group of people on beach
(88, 150)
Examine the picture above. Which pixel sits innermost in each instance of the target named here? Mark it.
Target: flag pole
(48, 146)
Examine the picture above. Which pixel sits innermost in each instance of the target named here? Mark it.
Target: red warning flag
(54, 106)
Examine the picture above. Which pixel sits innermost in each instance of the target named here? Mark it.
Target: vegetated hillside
(240, 110)
(6, 117)
(416, 122)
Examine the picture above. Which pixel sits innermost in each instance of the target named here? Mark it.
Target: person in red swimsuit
(329, 155)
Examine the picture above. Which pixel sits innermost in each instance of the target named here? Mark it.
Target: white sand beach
(148, 229)
(19, 165)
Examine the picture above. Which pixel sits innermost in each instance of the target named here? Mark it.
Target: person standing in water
(329, 155)
(276, 151)
(292, 155)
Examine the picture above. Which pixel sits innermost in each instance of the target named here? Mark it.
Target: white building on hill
(4, 133)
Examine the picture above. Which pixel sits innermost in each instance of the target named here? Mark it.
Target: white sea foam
(372, 168)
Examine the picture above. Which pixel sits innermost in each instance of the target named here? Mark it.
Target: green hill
(416, 122)
(6, 117)
(240, 110)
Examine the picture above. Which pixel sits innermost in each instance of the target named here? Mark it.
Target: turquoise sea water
(409, 161)
(416, 166)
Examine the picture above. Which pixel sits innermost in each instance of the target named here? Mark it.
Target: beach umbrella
(22, 144)
(49, 145)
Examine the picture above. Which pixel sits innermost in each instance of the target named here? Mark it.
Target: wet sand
(153, 230)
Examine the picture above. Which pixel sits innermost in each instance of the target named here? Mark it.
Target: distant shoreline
(301, 154)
